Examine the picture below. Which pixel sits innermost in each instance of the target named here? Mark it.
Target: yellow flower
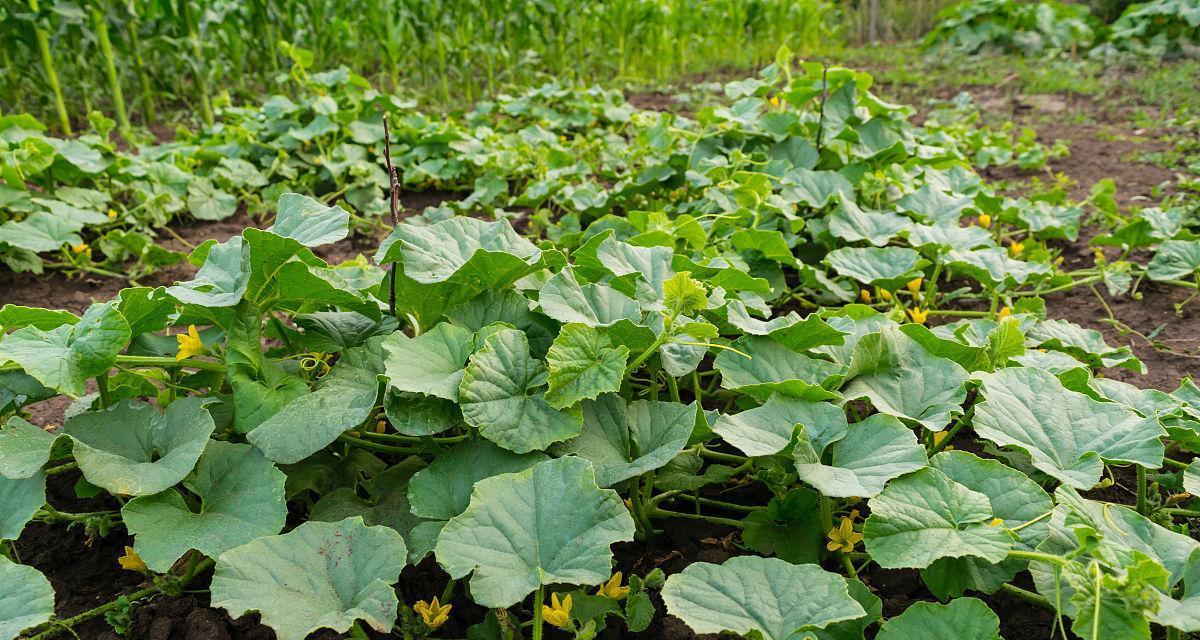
(1004, 313)
(939, 437)
(885, 295)
(865, 295)
(112, 214)
(1016, 248)
(775, 101)
(132, 561)
(612, 588)
(918, 315)
(995, 522)
(914, 286)
(843, 537)
(433, 614)
(79, 248)
(189, 343)
(558, 613)
(985, 220)
(381, 427)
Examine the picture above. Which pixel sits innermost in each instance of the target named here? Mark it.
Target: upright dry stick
(395, 205)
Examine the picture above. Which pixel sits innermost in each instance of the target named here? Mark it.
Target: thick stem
(43, 40)
(1026, 595)
(1035, 556)
(538, 599)
(655, 512)
(1141, 490)
(110, 69)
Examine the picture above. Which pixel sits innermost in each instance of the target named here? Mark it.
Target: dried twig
(394, 197)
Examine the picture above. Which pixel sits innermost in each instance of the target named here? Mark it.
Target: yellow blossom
(865, 295)
(112, 214)
(985, 220)
(1004, 313)
(189, 343)
(939, 437)
(558, 613)
(612, 588)
(918, 315)
(132, 561)
(885, 295)
(995, 522)
(775, 101)
(843, 537)
(381, 427)
(80, 248)
(1016, 248)
(433, 614)
(914, 286)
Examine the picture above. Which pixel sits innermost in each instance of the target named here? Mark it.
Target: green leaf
(431, 363)
(545, 525)
(40, 232)
(594, 305)
(887, 267)
(684, 296)
(1086, 344)
(1191, 478)
(222, 280)
(772, 367)
(65, 357)
(871, 453)
(770, 428)
(130, 449)
(344, 399)
(24, 448)
(926, 516)
(309, 221)
(443, 489)
(788, 528)
(1174, 259)
(623, 441)
(583, 364)
(21, 499)
(206, 202)
(386, 503)
(241, 500)
(1015, 499)
(319, 575)
(789, 330)
(994, 268)
(902, 379)
(1030, 409)
(850, 223)
(768, 596)
(472, 253)
(961, 619)
(498, 396)
(26, 598)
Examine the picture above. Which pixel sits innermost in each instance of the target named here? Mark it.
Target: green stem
(1062, 287)
(719, 504)
(396, 437)
(1141, 490)
(110, 68)
(538, 599)
(655, 512)
(1035, 556)
(102, 388)
(380, 448)
(43, 40)
(149, 361)
(1186, 513)
(718, 456)
(1026, 595)
(1175, 463)
(356, 632)
(62, 468)
(637, 362)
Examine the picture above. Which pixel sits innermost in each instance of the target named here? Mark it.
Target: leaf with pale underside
(768, 429)
(26, 598)
(626, 440)
(871, 453)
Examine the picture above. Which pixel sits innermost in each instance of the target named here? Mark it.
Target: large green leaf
(1015, 499)
(768, 429)
(544, 525)
(1175, 259)
(789, 330)
(594, 305)
(129, 449)
(961, 619)
(902, 379)
(206, 202)
(386, 503)
(761, 366)
(40, 232)
(310, 222)
(498, 396)
(26, 598)
(926, 516)
(850, 223)
(343, 399)
(319, 575)
(65, 357)
(1030, 409)
(583, 363)
(443, 489)
(871, 453)
(20, 499)
(994, 268)
(221, 280)
(24, 448)
(767, 596)
(241, 500)
(471, 253)
(887, 267)
(623, 441)
(431, 363)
